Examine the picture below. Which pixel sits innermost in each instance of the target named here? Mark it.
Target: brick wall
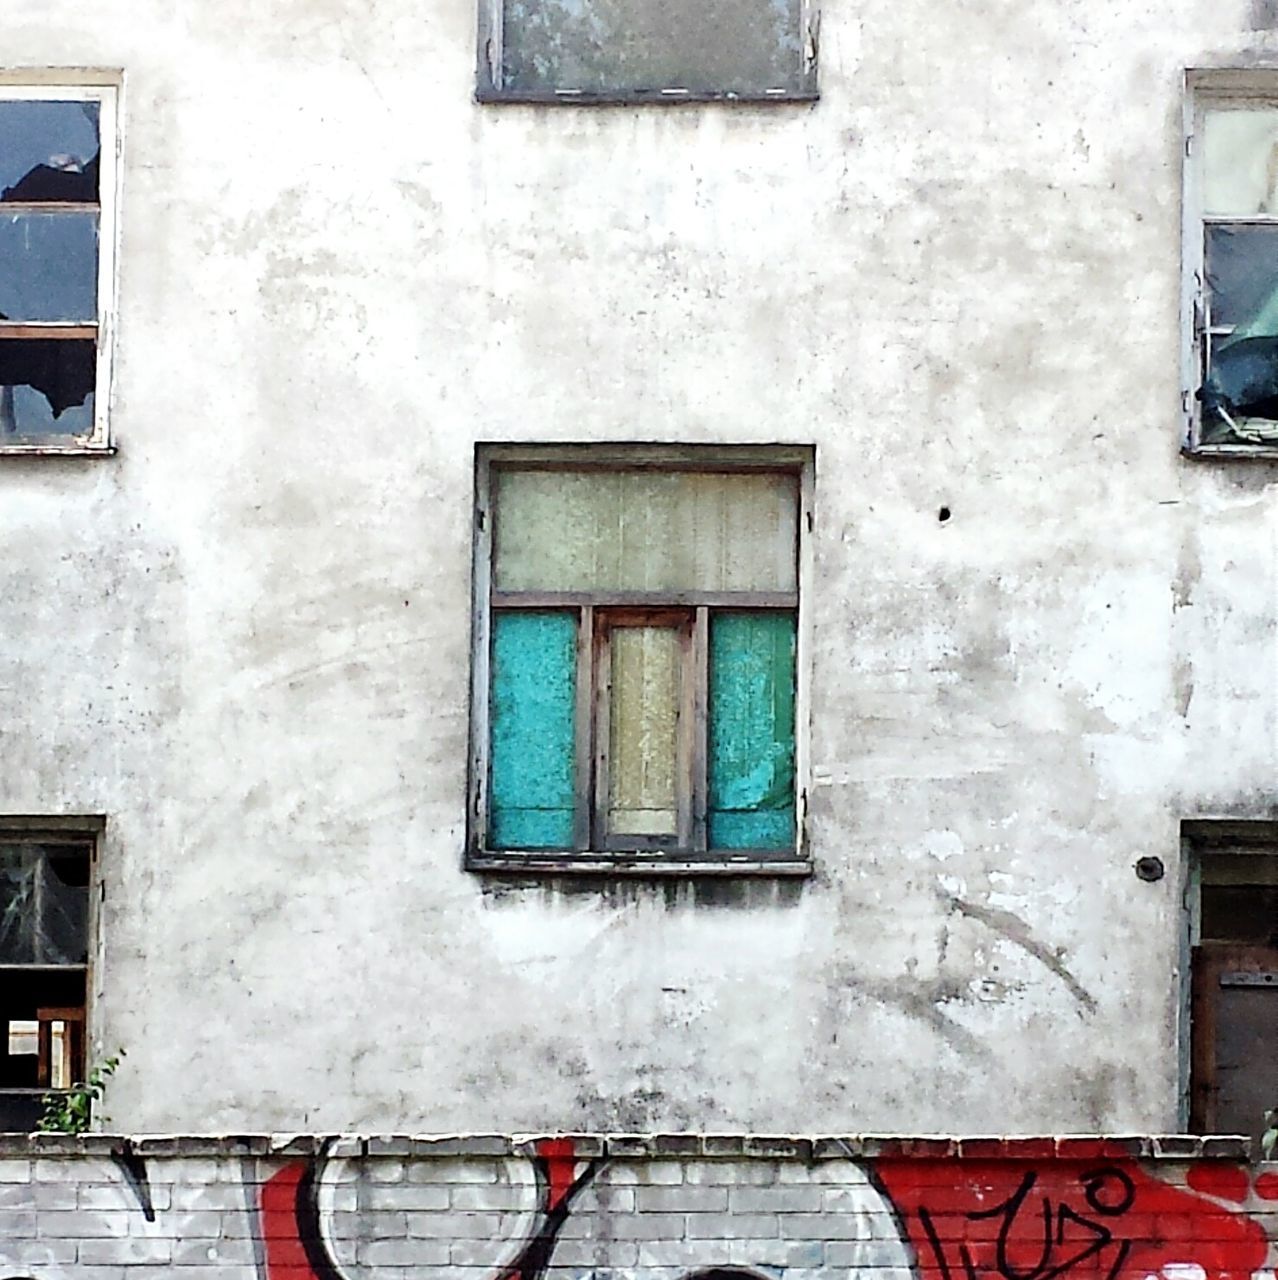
(623, 1207)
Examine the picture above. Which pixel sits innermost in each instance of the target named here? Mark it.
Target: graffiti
(296, 1248)
(1116, 1222)
(555, 1213)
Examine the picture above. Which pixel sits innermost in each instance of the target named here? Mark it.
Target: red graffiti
(1017, 1220)
(286, 1257)
(1224, 1181)
(561, 1164)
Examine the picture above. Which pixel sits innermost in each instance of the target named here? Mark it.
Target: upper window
(56, 179)
(660, 50)
(637, 656)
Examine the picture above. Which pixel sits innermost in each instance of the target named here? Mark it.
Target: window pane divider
(698, 724)
(584, 762)
(646, 599)
(50, 206)
(54, 330)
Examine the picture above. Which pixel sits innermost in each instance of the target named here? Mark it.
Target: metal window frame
(598, 855)
(105, 88)
(1208, 89)
(490, 89)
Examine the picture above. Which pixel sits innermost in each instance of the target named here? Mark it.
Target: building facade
(922, 270)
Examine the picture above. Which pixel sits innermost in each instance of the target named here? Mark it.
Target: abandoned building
(639, 567)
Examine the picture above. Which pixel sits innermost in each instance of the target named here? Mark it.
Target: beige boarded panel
(645, 531)
(1240, 162)
(643, 731)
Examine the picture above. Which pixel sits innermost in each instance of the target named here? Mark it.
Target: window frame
(88, 830)
(104, 88)
(603, 612)
(1208, 89)
(489, 88)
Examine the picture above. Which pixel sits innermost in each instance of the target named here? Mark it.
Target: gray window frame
(490, 89)
(599, 858)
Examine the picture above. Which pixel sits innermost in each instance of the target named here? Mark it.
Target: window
(1233, 935)
(44, 959)
(56, 182)
(654, 50)
(637, 657)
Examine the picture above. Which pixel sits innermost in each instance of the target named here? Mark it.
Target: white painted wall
(245, 638)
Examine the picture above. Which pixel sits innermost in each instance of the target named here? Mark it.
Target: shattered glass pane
(44, 904)
(1240, 387)
(49, 267)
(49, 151)
(619, 46)
(46, 386)
(1240, 162)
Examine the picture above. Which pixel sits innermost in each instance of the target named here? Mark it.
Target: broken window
(55, 236)
(44, 958)
(566, 50)
(639, 635)
(1232, 903)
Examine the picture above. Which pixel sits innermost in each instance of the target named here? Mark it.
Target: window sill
(541, 863)
(57, 449)
(632, 98)
(1230, 452)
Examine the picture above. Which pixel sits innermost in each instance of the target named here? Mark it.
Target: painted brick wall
(595, 1208)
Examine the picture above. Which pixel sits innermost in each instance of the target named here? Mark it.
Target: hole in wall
(943, 514)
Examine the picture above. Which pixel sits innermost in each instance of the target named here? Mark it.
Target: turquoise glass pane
(534, 694)
(751, 738)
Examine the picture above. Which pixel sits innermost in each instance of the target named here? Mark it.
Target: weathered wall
(245, 637)
(588, 1208)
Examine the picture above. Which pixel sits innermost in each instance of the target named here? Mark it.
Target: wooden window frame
(490, 88)
(78, 1019)
(599, 612)
(1204, 960)
(102, 87)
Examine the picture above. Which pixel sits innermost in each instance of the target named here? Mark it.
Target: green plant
(1270, 1136)
(70, 1111)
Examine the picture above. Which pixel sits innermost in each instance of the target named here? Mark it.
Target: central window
(637, 655)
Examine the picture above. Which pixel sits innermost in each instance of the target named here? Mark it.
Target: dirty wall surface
(729, 1207)
(244, 638)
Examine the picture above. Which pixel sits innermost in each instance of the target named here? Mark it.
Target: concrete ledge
(805, 1148)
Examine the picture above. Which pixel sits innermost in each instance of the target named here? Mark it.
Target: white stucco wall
(245, 637)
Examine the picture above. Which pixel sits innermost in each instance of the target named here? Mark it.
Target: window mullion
(697, 674)
(600, 693)
(583, 822)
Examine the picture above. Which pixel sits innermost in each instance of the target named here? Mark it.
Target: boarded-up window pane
(534, 684)
(645, 531)
(712, 46)
(751, 754)
(643, 731)
(1240, 162)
